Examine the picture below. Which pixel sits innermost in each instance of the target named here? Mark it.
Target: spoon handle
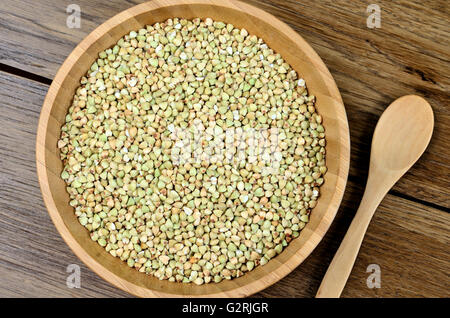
(339, 270)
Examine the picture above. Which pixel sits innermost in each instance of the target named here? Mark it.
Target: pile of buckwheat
(192, 151)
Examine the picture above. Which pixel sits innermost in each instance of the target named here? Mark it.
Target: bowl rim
(127, 286)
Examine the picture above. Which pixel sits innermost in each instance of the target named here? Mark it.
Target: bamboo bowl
(294, 49)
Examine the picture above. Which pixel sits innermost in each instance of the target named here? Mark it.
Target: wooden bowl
(294, 49)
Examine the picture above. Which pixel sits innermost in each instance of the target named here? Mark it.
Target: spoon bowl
(402, 134)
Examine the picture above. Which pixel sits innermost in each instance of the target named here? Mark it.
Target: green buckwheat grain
(195, 221)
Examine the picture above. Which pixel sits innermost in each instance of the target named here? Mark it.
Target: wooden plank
(372, 67)
(408, 240)
(33, 257)
(410, 243)
(36, 38)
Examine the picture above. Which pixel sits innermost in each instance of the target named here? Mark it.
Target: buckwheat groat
(192, 151)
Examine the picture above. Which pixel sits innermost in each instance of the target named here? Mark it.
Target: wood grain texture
(372, 67)
(408, 55)
(408, 240)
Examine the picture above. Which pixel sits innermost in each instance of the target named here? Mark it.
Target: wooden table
(409, 235)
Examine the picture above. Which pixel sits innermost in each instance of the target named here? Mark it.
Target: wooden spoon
(400, 138)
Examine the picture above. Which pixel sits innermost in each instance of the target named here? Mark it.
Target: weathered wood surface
(409, 241)
(409, 54)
